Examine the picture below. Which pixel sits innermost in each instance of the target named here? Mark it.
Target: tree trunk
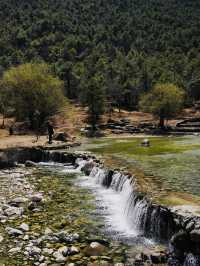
(3, 122)
(162, 122)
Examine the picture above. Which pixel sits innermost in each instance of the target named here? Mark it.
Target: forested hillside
(116, 48)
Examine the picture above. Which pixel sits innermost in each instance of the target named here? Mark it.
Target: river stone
(41, 258)
(12, 211)
(34, 251)
(73, 251)
(47, 251)
(14, 250)
(64, 236)
(26, 237)
(14, 232)
(94, 249)
(24, 227)
(48, 231)
(38, 197)
(18, 201)
(145, 143)
(59, 257)
(64, 251)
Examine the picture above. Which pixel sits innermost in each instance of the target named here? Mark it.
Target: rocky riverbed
(46, 220)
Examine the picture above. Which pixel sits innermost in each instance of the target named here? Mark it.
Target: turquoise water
(172, 161)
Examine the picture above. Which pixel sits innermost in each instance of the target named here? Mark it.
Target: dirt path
(7, 141)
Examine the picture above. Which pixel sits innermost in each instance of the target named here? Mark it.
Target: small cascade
(141, 215)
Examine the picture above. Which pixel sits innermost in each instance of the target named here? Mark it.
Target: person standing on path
(50, 132)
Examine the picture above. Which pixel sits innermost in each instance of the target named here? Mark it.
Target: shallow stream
(170, 164)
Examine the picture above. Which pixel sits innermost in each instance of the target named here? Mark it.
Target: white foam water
(113, 201)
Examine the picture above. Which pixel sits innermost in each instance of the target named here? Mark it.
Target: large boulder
(180, 240)
(87, 168)
(62, 136)
(195, 236)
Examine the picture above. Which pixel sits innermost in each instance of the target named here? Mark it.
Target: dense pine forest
(114, 49)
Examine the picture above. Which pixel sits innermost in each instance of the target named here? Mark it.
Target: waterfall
(139, 215)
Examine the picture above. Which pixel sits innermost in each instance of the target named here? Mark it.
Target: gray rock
(195, 236)
(12, 211)
(145, 143)
(73, 250)
(87, 168)
(190, 226)
(66, 237)
(14, 250)
(47, 251)
(1, 239)
(14, 232)
(59, 257)
(30, 164)
(41, 259)
(24, 227)
(26, 237)
(64, 251)
(48, 231)
(37, 197)
(34, 251)
(18, 201)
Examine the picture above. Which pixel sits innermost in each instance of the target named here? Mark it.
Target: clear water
(174, 162)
